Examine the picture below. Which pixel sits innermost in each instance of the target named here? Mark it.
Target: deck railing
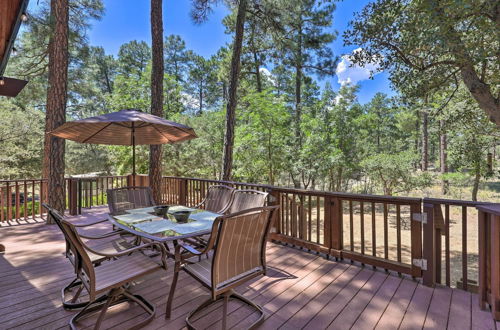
(21, 199)
(451, 243)
(439, 244)
(380, 231)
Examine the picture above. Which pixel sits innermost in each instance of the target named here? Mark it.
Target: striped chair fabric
(126, 198)
(238, 251)
(246, 199)
(107, 284)
(239, 242)
(217, 199)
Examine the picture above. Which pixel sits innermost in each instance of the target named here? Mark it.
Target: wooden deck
(302, 291)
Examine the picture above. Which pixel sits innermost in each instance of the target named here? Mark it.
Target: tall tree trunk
(425, 141)
(298, 88)
(477, 179)
(256, 61)
(53, 167)
(257, 73)
(227, 160)
(155, 151)
(298, 100)
(478, 88)
(200, 94)
(417, 136)
(443, 157)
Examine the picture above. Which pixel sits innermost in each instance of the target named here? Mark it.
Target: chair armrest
(190, 249)
(199, 206)
(105, 235)
(124, 252)
(90, 223)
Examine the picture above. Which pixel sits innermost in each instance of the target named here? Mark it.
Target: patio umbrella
(129, 127)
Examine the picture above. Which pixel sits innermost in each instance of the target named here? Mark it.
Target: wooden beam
(10, 21)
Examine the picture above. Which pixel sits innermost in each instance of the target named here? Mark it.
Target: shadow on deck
(301, 290)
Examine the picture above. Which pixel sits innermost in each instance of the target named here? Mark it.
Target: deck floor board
(300, 291)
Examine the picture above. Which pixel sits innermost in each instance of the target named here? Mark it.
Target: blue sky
(126, 20)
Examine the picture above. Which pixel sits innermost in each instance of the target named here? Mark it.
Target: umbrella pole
(133, 154)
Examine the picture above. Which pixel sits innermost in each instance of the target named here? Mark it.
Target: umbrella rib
(99, 131)
(161, 133)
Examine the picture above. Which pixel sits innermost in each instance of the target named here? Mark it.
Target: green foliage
(430, 45)
(21, 137)
(394, 173)
(133, 57)
(261, 135)
(29, 212)
(289, 129)
(200, 157)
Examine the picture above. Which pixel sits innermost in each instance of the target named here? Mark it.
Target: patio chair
(237, 258)
(111, 279)
(217, 199)
(108, 245)
(246, 199)
(126, 198)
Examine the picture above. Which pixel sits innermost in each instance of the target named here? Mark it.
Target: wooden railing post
(274, 199)
(337, 227)
(73, 196)
(182, 191)
(489, 258)
(416, 238)
(429, 244)
(495, 266)
(79, 195)
(438, 232)
(333, 226)
(328, 223)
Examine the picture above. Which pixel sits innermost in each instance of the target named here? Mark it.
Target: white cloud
(337, 99)
(266, 73)
(349, 73)
(189, 101)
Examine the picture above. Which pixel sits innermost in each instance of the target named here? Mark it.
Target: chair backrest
(55, 215)
(71, 254)
(126, 198)
(218, 198)
(246, 199)
(240, 248)
(85, 269)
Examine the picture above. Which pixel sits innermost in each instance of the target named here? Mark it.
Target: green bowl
(161, 210)
(181, 216)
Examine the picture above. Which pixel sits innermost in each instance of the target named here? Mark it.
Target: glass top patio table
(143, 222)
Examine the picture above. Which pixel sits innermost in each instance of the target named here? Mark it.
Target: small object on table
(134, 217)
(154, 227)
(181, 216)
(161, 210)
(148, 209)
(177, 208)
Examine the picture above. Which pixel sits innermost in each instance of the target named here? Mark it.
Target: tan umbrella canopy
(129, 127)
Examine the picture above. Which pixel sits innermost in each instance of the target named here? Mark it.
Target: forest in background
(291, 129)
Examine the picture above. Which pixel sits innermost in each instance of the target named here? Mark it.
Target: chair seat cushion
(202, 270)
(112, 246)
(125, 269)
